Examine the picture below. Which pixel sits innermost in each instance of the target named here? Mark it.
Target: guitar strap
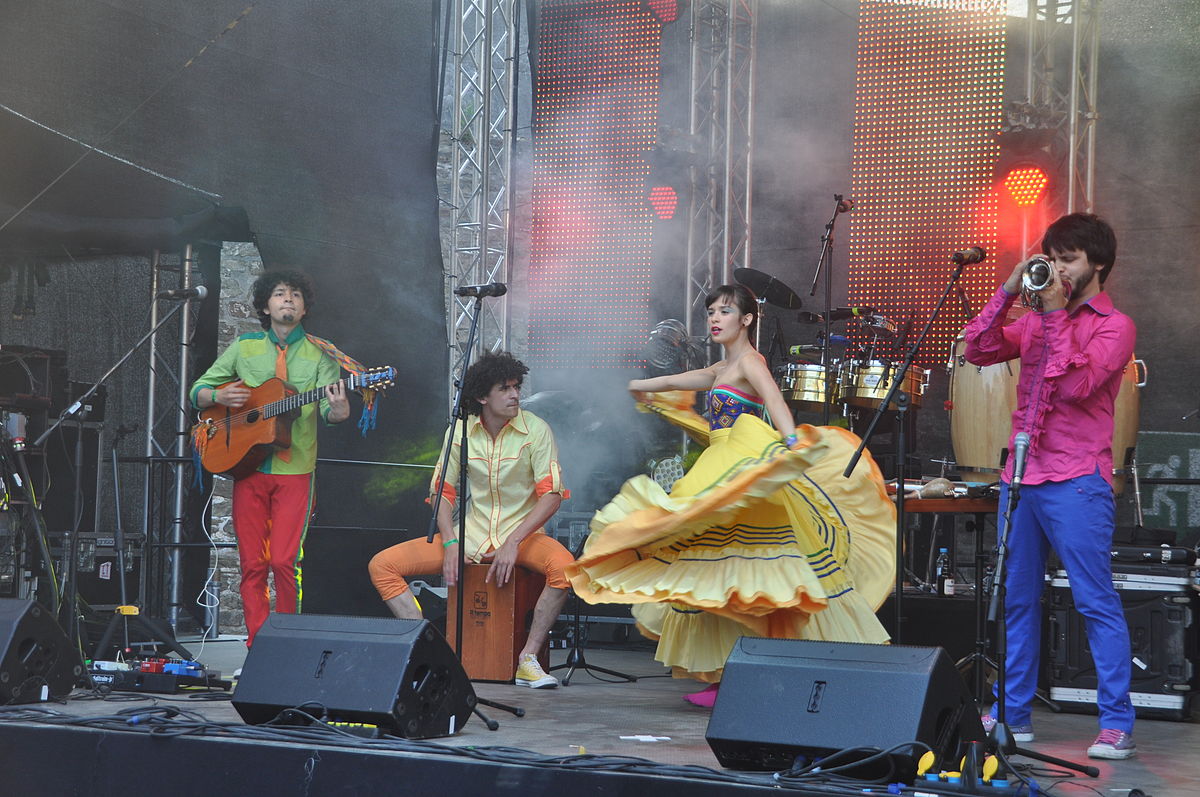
(366, 421)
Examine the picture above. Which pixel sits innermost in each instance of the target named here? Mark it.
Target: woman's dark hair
(740, 297)
(493, 368)
(265, 285)
(1086, 232)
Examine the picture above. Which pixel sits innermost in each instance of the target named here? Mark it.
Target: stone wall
(241, 264)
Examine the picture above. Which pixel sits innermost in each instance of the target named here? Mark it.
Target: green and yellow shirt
(251, 358)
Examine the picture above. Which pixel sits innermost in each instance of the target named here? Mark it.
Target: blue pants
(1077, 518)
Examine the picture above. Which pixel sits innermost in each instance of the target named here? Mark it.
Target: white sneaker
(531, 674)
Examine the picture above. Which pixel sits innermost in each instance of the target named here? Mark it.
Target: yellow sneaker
(531, 674)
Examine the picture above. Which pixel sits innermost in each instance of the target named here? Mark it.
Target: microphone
(845, 205)
(968, 256)
(199, 292)
(491, 289)
(837, 314)
(1020, 451)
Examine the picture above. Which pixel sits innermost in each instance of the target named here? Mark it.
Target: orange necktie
(284, 454)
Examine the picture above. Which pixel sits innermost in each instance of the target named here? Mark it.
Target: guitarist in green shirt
(272, 505)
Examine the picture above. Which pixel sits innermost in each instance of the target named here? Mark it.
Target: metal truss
(720, 123)
(1069, 102)
(167, 422)
(481, 125)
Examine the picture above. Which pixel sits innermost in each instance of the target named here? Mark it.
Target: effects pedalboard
(157, 675)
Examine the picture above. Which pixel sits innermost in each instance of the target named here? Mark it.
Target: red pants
(537, 552)
(270, 516)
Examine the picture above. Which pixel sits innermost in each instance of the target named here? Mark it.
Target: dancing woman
(762, 537)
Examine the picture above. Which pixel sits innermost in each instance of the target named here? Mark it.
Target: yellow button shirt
(506, 476)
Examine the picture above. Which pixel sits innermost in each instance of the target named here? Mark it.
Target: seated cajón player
(515, 487)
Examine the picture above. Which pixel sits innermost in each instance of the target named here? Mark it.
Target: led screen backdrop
(928, 106)
(596, 102)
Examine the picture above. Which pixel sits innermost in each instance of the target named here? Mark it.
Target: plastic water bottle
(945, 574)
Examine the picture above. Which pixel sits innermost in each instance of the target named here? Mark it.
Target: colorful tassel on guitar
(366, 421)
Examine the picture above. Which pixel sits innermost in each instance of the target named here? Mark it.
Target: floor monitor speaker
(399, 675)
(38, 662)
(788, 699)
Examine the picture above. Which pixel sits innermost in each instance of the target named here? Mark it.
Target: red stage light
(663, 199)
(1026, 184)
(665, 10)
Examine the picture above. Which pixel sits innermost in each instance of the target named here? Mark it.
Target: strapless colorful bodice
(725, 404)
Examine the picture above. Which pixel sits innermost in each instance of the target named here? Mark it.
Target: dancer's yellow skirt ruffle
(754, 540)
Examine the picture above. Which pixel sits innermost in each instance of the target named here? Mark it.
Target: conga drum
(981, 403)
(1126, 420)
(982, 400)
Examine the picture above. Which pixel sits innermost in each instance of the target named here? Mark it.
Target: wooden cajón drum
(496, 621)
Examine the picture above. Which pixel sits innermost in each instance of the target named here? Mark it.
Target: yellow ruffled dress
(755, 540)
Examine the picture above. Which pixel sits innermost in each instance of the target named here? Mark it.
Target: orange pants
(537, 552)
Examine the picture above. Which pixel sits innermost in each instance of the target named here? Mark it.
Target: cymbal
(767, 287)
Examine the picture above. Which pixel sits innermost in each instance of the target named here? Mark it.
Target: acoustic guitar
(234, 441)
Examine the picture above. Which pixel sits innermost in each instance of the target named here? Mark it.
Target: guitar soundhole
(252, 416)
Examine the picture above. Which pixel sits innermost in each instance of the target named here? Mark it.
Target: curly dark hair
(490, 370)
(1086, 232)
(266, 284)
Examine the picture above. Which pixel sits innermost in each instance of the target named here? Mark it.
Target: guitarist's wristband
(448, 543)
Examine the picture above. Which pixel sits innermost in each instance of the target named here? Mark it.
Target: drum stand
(978, 662)
(457, 413)
(900, 400)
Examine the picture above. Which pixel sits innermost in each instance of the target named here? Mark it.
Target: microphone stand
(458, 413)
(825, 266)
(1001, 737)
(575, 658)
(901, 399)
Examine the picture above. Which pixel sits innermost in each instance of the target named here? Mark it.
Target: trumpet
(1039, 274)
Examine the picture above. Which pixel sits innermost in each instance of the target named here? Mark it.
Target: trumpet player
(1072, 350)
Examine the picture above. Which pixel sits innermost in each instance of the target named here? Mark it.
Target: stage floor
(598, 717)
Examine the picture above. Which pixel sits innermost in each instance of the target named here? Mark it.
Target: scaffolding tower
(481, 123)
(721, 125)
(166, 445)
(1067, 101)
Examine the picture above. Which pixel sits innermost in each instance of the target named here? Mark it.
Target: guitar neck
(298, 400)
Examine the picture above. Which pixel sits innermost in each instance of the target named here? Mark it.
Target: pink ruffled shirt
(1071, 369)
